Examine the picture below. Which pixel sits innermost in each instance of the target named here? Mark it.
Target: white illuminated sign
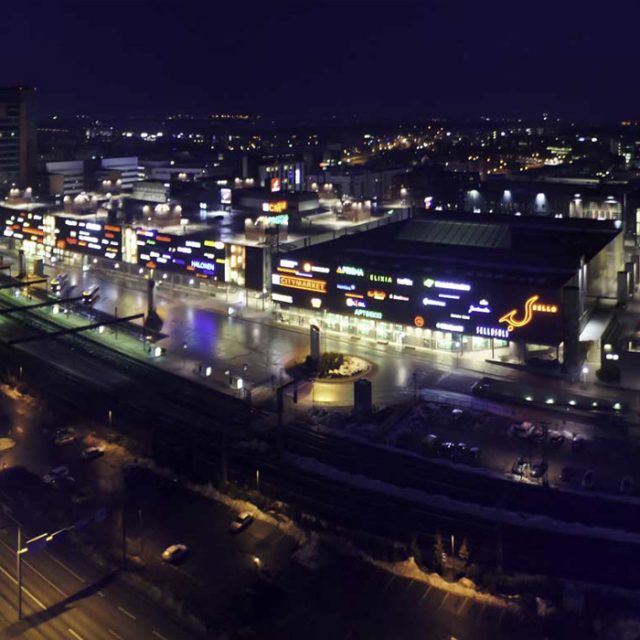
(201, 264)
(289, 264)
(350, 271)
(493, 332)
(446, 326)
(430, 302)
(407, 282)
(374, 315)
(281, 297)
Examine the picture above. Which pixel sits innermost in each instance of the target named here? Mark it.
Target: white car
(241, 522)
(92, 452)
(175, 552)
(55, 473)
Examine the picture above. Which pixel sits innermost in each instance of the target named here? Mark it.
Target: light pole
(453, 548)
(258, 480)
(110, 418)
(19, 571)
(257, 563)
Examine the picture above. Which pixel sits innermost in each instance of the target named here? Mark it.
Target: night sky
(457, 59)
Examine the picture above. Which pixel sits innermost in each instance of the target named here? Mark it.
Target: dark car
(460, 451)
(556, 438)
(538, 469)
(519, 466)
(568, 474)
(577, 443)
(64, 483)
(446, 449)
(473, 454)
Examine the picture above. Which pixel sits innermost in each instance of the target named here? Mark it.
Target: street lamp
(257, 562)
(585, 373)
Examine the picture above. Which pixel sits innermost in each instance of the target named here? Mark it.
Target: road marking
(101, 594)
(393, 577)
(64, 566)
(446, 597)
(499, 623)
(75, 635)
(426, 592)
(43, 577)
(114, 634)
(159, 635)
(24, 589)
(127, 613)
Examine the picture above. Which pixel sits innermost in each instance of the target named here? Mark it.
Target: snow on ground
(464, 587)
(447, 504)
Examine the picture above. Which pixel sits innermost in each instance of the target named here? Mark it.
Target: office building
(17, 136)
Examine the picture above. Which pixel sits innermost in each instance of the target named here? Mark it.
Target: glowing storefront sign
(430, 302)
(205, 266)
(442, 284)
(279, 206)
(366, 313)
(350, 271)
(479, 309)
(289, 264)
(320, 269)
(281, 219)
(406, 282)
(374, 277)
(493, 332)
(418, 321)
(281, 297)
(446, 326)
(316, 303)
(346, 287)
(395, 296)
(355, 303)
(305, 284)
(377, 295)
(531, 305)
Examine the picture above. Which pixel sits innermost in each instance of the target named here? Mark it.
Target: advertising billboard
(85, 236)
(202, 258)
(473, 306)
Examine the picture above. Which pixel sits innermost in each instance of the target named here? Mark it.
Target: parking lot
(525, 451)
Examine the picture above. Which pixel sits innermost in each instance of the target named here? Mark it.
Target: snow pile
(465, 587)
(351, 366)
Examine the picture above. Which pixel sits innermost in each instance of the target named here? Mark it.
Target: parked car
(241, 522)
(430, 443)
(588, 480)
(627, 485)
(64, 436)
(519, 466)
(460, 451)
(446, 449)
(91, 453)
(577, 443)
(473, 454)
(456, 414)
(556, 438)
(175, 552)
(56, 472)
(523, 429)
(568, 474)
(81, 496)
(538, 469)
(64, 483)
(537, 435)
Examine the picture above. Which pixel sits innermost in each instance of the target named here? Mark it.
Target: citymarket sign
(304, 284)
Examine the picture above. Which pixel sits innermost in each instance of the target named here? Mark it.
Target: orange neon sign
(531, 305)
(418, 321)
(306, 284)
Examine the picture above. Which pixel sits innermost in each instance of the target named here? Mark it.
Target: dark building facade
(17, 136)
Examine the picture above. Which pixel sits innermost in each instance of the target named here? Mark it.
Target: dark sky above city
(396, 58)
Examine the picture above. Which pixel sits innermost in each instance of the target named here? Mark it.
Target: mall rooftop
(511, 248)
